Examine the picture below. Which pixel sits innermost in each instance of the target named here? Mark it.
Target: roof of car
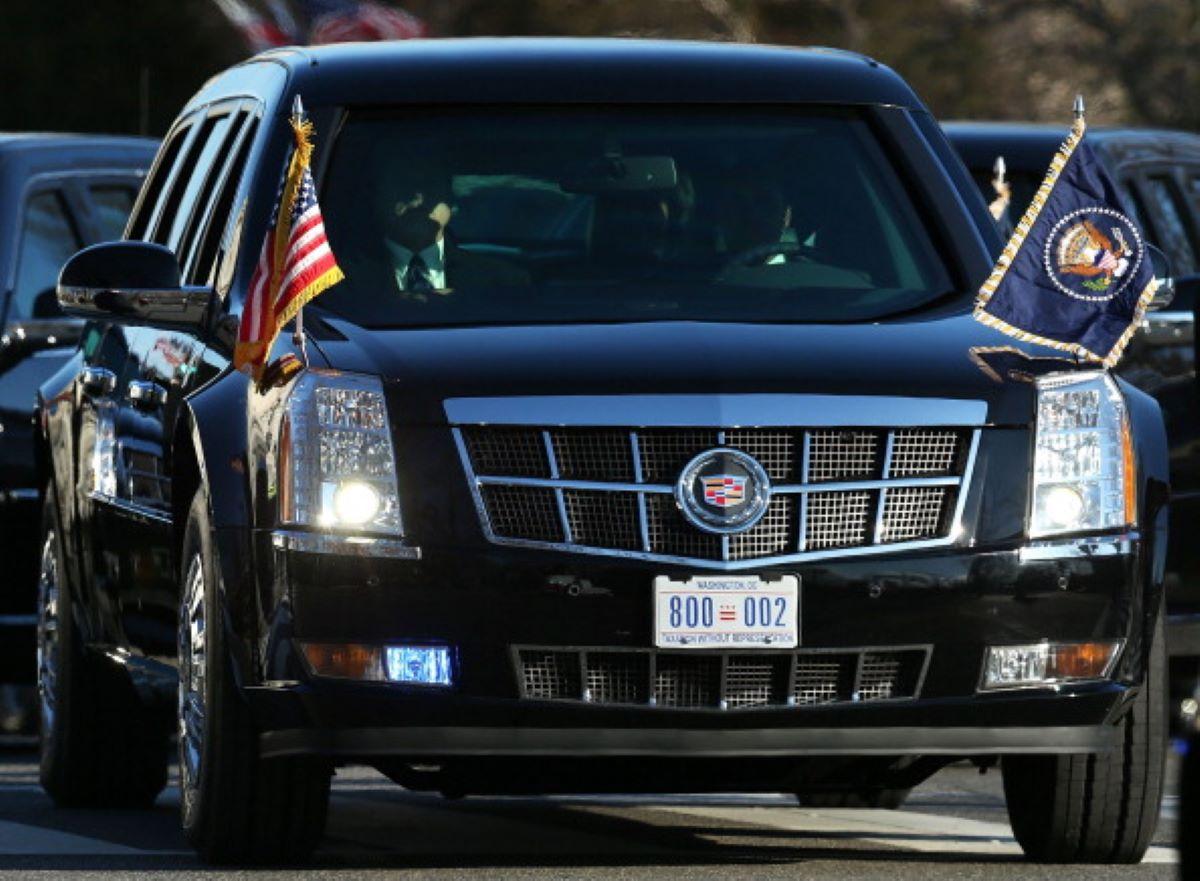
(532, 70)
(1032, 144)
(58, 140)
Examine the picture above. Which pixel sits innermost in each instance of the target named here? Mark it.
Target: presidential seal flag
(296, 262)
(1076, 274)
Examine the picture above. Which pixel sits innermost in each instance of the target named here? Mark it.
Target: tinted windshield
(620, 214)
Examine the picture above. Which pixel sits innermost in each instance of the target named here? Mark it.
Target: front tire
(235, 806)
(1096, 808)
(93, 751)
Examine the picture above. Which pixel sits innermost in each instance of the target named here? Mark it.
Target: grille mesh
(673, 536)
(843, 455)
(603, 519)
(528, 512)
(920, 452)
(664, 453)
(774, 534)
(774, 450)
(913, 512)
(690, 680)
(593, 454)
(507, 452)
(838, 519)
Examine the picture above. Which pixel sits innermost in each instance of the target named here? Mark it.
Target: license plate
(726, 612)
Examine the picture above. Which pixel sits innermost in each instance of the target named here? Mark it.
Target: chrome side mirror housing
(135, 282)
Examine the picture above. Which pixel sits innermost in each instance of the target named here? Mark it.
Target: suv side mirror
(1165, 295)
(135, 282)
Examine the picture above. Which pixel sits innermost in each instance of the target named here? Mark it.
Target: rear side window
(140, 226)
(48, 239)
(1173, 224)
(211, 169)
(166, 226)
(203, 268)
(110, 209)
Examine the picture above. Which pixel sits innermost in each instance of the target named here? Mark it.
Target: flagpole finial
(298, 107)
(1078, 108)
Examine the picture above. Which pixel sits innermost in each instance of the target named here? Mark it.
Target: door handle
(97, 380)
(146, 395)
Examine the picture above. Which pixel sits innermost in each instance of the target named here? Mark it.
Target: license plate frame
(702, 620)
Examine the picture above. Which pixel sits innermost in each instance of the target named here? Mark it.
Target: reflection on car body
(695, 487)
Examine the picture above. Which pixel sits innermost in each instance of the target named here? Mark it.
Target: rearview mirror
(134, 282)
(622, 174)
(1165, 295)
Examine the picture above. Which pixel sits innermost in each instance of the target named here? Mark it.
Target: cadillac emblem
(723, 491)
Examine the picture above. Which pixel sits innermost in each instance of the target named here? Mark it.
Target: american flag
(295, 263)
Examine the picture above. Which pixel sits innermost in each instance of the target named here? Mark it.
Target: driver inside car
(416, 250)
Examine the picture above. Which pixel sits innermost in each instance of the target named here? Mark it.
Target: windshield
(518, 215)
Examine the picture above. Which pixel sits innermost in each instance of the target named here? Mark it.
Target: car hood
(950, 357)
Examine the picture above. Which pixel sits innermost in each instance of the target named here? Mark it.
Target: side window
(111, 205)
(140, 227)
(1174, 232)
(186, 186)
(210, 170)
(1133, 201)
(203, 268)
(48, 239)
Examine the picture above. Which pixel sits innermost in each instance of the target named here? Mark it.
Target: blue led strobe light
(418, 665)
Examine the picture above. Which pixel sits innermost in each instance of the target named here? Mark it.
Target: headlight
(337, 469)
(1083, 469)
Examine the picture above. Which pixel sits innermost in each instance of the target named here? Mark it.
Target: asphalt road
(954, 826)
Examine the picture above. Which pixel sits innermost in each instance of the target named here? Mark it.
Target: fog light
(1046, 663)
(418, 665)
(355, 503)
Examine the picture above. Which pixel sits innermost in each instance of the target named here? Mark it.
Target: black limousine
(58, 192)
(648, 445)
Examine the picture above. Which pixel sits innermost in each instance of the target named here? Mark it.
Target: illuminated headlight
(337, 468)
(1083, 469)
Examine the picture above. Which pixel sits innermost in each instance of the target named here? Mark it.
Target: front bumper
(483, 603)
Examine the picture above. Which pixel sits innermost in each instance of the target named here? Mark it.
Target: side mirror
(134, 282)
(1165, 295)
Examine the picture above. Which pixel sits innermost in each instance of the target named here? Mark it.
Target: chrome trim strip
(343, 545)
(725, 411)
(889, 445)
(1079, 548)
(957, 526)
(635, 448)
(552, 460)
(131, 509)
(614, 486)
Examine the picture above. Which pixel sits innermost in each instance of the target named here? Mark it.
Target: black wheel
(889, 799)
(235, 806)
(1096, 808)
(94, 751)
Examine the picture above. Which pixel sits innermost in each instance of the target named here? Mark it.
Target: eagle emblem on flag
(295, 263)
(724, 490)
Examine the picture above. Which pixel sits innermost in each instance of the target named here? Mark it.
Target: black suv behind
(676, 462)
(57, 194)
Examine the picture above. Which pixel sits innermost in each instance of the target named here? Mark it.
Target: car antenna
(298, 326)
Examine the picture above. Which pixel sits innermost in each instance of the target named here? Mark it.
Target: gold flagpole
(298, 327)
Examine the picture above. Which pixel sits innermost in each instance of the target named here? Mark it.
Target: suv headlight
(1083, 468)
(337, 468)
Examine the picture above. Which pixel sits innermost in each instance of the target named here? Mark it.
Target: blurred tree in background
(116, 65)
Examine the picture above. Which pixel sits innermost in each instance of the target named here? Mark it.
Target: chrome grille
(720, 680)
(609, 490)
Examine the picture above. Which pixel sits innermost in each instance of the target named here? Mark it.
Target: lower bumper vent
(720, 680)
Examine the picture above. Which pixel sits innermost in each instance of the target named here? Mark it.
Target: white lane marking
(19, 839)
(928, 833)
